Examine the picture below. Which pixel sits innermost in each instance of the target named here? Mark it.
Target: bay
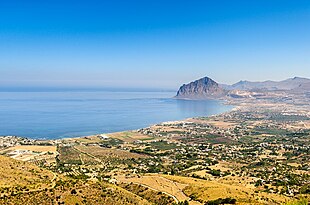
(53, 115)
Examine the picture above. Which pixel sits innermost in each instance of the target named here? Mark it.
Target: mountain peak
(203, 88)
(299, 78)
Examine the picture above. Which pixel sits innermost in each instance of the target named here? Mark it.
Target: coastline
(203, 152)
(237, 105)
(181, 109)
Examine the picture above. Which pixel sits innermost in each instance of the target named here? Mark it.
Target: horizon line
(81, 89)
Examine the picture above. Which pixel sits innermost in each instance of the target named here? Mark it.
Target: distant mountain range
(206, 88)
(289, 84)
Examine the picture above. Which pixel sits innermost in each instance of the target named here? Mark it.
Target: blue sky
(151, 44)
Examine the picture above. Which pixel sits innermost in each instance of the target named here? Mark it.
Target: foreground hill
(27, 184)
(21, 177)
(77, 192)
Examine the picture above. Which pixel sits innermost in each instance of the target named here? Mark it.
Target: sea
(62, 114)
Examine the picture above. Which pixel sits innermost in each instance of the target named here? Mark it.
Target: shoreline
(222, 102)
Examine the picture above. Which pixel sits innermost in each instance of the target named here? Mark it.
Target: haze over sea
(52, 115)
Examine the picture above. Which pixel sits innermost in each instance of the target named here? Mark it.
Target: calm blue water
(66, 114)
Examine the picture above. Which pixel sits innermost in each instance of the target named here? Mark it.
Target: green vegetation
(221, 201)
(298, 202)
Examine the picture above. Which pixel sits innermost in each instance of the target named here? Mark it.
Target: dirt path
(81, 158)
(144, 185)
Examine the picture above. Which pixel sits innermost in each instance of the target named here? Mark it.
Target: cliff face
(204, 88)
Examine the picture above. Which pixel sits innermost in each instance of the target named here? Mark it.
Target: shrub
(221, 201)
(73, 191)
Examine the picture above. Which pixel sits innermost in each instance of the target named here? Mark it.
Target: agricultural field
(32, 153)
(35, 148)
(130, 136)
(106, 153)
(69, 155)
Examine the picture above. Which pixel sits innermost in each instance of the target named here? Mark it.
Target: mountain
(296, 83)
(204, 88)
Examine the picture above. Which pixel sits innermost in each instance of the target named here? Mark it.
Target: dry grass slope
(74, 192)
(204, 190)
(19, 176)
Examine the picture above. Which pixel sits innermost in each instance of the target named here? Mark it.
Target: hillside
(77, 192)
(27, 184)
(19, 177)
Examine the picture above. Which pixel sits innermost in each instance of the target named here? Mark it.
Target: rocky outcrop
(204, 88)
